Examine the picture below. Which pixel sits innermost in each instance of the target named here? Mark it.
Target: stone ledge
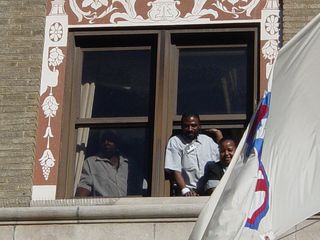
(106, 209)
(118, 201)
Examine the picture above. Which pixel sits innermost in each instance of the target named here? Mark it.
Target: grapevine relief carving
(56, 37)
(49, 108)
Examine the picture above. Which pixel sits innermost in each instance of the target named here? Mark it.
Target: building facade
(54, 59)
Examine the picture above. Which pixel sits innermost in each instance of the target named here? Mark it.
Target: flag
(272, 183)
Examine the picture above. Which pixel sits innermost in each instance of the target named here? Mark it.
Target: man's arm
(173, 162)
(181, 183)
(214, 133)
(82, 192)
(85, 183)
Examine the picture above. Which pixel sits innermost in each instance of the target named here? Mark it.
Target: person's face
(227, 149)
(190, 127)
(109, 148)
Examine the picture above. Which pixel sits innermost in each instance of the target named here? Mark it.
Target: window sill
(107, 210)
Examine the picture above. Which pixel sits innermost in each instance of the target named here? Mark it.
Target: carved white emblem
(55, 57)
(95, 4)
(163, 10)
(47, 161)
(55, 32)
(272, 24)
(270, 52)
(50, 106)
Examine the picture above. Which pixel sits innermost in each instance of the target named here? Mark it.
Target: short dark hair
(222, 140)
(188, 115)
(109, 135)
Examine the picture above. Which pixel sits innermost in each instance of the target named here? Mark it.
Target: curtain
(86, 103)
(230, 89)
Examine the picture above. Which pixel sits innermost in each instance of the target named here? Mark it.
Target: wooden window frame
(165, 120)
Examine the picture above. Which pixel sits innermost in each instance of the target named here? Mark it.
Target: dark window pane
(233, 133)
(212, 81)
(133, 144)
(121, 81)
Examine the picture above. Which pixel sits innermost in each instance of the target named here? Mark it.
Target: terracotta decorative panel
(128, 12)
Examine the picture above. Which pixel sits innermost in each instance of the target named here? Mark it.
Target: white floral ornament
(56, 57)
(48, 133)
(95, 4)
(270, 52)
(50, 106)
(272, 24)
(55, 32)
(270, 49)
(47, 161)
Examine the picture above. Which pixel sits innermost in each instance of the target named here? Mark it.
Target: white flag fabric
(273, 181)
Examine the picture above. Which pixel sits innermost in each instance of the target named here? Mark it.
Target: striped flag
(254, 145)
(272, 183)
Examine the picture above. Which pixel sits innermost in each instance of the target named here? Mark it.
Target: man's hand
(184, 190)
(215, 133)
(191, 193)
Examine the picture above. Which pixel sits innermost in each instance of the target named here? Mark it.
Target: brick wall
(21, 44)
(296, 13)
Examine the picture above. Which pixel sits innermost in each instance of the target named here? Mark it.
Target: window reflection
(120, 77)
(212, 80)
(131, 145)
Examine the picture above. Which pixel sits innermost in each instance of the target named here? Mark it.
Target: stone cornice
(106, 209)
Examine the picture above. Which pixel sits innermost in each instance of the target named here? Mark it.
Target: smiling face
(227, 148)
(190, 127)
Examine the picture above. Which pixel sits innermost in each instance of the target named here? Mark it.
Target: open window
(139, 83)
